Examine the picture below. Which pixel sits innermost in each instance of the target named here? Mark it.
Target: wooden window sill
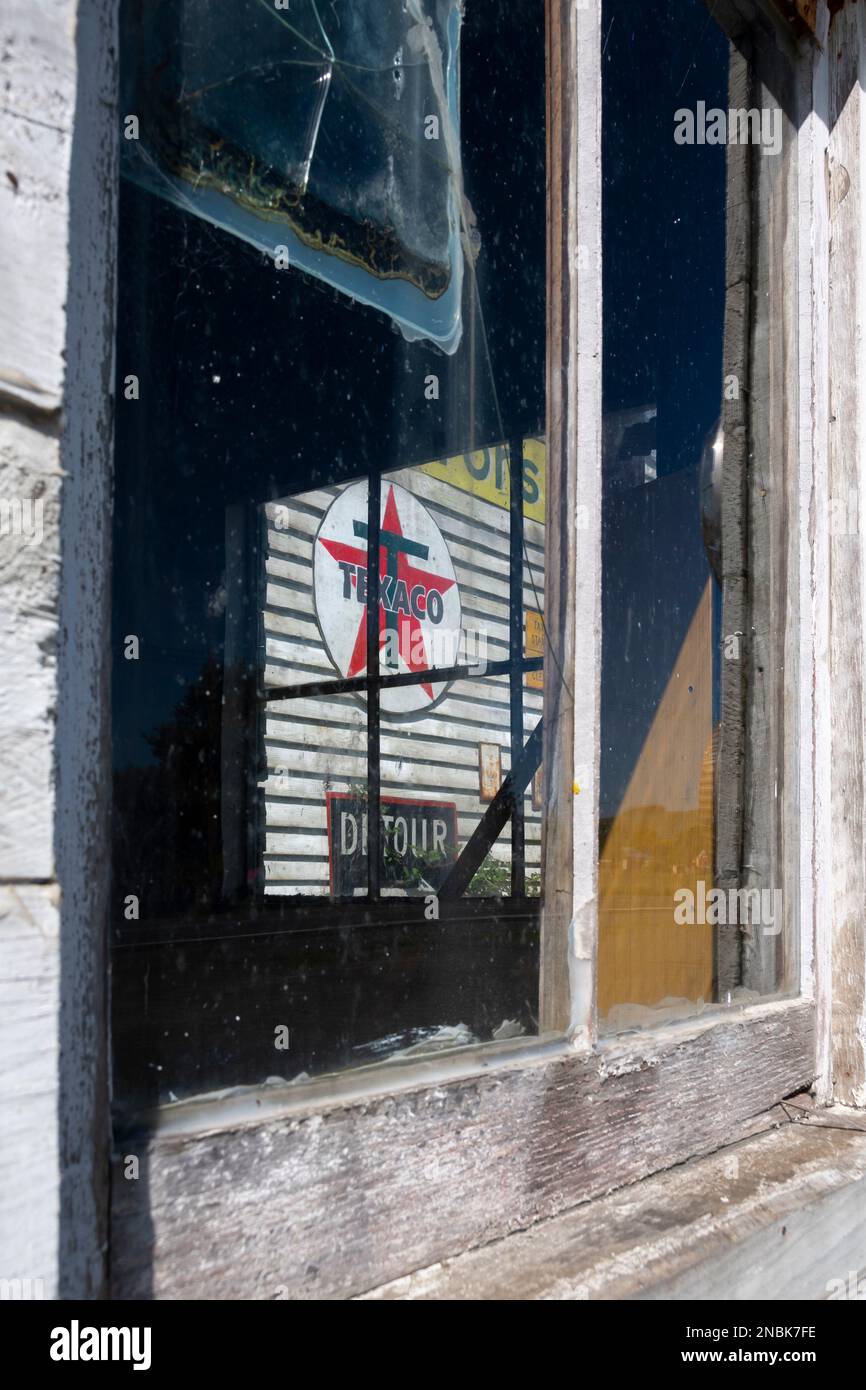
(778, 1215)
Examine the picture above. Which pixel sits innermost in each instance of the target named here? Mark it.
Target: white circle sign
(419, 601)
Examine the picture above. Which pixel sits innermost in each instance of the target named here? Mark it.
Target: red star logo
(411, 636)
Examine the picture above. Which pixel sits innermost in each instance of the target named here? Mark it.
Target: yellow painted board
(661, 840)
(485, 473)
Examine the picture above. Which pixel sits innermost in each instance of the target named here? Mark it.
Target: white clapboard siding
(290, 571)
(290, 640)
(484, 698)
(399, 746)
(307, 871)
(278, 841)
(294, 846)
(479, 721)
(450, 509)
(289, 863)
(281, 596)
(312, 746)
(292, 802)
(296, 626)
(333, 737)
(399, 749)
(473, 579)
(290, 560)
(286, 714)
(477, 534)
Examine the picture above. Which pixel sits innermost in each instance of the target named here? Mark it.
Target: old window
(331, 343)
(586, 281)
(511, 327)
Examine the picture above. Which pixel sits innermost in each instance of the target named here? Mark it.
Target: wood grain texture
(758, 835)
(573, 580)
(29, 586)
(774, 1216)
(331, 1203)
(730, 773)
(83, 738)
(771, 657)
(56, 328)
(35, 148)
(558, 841)
(816, 693)
(846, 190)
(29, 1007)
(38, 60)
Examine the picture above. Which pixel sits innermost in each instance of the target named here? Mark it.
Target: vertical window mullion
(374, 820)
(518, 828)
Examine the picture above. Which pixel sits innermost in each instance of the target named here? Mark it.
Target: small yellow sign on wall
(534, 646)
(489, 769)
(485, 473)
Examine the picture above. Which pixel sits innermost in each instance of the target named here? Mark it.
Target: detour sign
(419, 841)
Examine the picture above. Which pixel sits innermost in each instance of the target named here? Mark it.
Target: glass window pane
(332, 303)
(697, 883)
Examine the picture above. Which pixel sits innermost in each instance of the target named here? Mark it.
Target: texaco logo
(419, 603)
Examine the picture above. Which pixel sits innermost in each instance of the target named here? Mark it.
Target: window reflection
(360, 181)
(290, 816)
(694, 889)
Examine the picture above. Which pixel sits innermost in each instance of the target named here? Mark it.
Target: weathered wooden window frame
(333, 1188)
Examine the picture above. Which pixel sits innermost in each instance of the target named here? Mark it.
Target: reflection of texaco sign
(419, 606)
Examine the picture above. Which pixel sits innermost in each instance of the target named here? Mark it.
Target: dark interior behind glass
(285, 823)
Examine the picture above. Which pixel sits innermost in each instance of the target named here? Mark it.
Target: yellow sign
(485, 473)
(534, 646)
